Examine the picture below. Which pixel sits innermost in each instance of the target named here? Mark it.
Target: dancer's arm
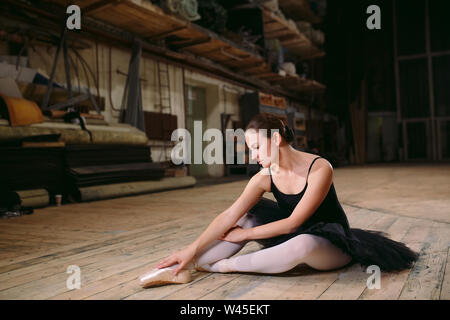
(319, 182)
(227, 219)
(222, 223)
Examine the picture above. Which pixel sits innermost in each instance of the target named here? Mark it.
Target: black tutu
(366, 247)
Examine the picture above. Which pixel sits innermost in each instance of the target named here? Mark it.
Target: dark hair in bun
(269, 122)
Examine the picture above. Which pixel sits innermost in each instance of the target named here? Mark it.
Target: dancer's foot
(199, 268)
(162, 276)
(194, 265)
(222, 266)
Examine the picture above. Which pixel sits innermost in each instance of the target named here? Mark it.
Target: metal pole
(430, 81)
(52, 74)
(67, 69)
(397, 84)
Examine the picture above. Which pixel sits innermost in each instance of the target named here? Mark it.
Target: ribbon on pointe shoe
(197, 267)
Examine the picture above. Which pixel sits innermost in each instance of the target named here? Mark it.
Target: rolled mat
(119, 173)
(133, 188)
(72, 134)
(98, 154)
(34, 198)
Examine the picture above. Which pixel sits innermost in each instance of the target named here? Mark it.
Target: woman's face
(260, 147)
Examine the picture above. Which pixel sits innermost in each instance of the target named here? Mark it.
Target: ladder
(164, 87)
(164, 98)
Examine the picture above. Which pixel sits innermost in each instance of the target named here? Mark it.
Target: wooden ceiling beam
(164, 34)
(183, 44)
(99, 6)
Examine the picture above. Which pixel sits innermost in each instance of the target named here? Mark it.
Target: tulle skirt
(366, 247)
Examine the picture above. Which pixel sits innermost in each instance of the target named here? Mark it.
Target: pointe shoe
(164, 276)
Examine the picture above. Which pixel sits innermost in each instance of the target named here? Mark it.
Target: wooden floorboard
(114, 241)
(445, 289)
(426, 277)
(392, 283)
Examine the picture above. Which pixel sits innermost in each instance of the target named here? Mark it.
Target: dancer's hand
(235, 234)
(182, 257)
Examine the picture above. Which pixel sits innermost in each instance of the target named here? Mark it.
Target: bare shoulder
(262, 179)
(321, 167)
(322, 162)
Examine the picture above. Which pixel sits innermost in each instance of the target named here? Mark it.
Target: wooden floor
(115, 241)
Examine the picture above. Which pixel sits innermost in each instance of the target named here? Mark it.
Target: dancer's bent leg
(217, 250)
(317, 252)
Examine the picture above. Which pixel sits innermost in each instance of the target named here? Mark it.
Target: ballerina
(306, 225)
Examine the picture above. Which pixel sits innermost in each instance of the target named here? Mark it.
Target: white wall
(42, 60)
(220, 97)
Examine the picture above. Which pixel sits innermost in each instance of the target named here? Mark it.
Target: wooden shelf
(288, 82)
(299, 10)
(275, 27)
(150, 22)
(302, 49)
(309, 85)
(298, 84)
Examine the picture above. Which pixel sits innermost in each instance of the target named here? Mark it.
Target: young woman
(305, 225)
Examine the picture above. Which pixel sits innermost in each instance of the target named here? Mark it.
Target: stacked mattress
(116, 173)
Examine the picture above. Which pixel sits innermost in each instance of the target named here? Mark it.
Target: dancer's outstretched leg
(317, 252)
(217, 250)
(220, 249)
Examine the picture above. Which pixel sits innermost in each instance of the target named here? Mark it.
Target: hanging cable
(75, 68)
(110, 82)
(97, 67)
(86, 68)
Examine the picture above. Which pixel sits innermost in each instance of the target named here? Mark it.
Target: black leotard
(330, 210)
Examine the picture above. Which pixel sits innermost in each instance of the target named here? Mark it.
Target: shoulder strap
(311, 167)
(270, 174)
